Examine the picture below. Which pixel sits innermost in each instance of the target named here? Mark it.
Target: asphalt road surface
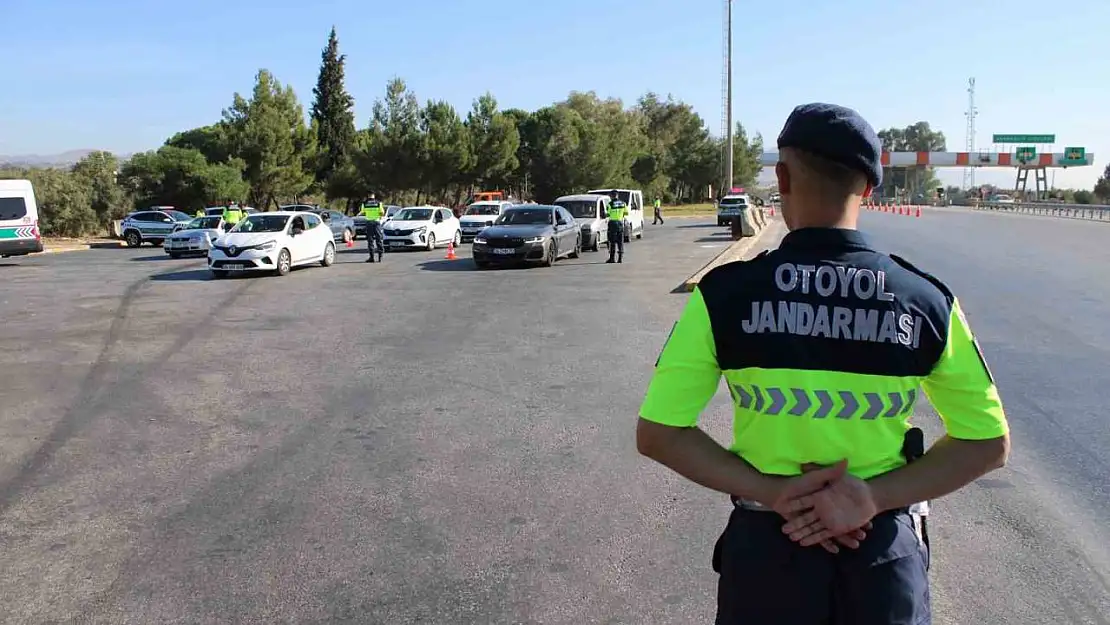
(1029, 543)
(419, 442)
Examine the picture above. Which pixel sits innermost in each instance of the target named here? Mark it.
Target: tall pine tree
(333, 114)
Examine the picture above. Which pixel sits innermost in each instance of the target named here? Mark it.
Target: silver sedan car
(195, 237)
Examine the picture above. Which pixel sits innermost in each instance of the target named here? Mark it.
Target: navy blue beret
(838, 134)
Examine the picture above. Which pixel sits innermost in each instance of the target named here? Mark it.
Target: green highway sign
(1025, 138)
(1026, 155)
(1074, 156)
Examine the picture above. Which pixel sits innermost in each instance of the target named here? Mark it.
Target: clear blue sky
(123, 75)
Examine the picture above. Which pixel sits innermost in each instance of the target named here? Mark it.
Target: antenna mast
(971, 114)
(726, 96)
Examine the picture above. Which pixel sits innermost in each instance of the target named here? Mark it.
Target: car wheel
(549, 259)
(329, 255)
(219, 273)
(431, 242)
(458, 238)
(641, 234)
(133, 238)
(284, 263)
(577, 247)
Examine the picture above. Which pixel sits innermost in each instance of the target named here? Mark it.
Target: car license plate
(504, 251)
(395, 243)
(235, 267)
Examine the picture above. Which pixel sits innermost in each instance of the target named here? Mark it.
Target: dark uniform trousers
(374, 241)
(616, 239)
(658, 217)
(766, 579)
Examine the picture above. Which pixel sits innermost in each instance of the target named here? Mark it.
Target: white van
(634, 199)
(590, 214)
(19, 219)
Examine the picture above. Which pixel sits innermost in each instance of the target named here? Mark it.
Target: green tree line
(266, 150)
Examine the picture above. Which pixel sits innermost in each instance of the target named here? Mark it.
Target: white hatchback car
(273, 242)
(422, 227)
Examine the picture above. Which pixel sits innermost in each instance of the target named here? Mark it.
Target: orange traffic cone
(918, 211)
(451, 251)
(772, 211)
(348, 239)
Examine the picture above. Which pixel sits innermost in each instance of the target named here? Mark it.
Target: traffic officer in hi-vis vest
(233, 214)
(373, 211)
(824, 344)
(199, 213)
(658, 212)
(618, 211)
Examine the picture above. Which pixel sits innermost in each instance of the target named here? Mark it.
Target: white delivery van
(634, 199)
(19, 219)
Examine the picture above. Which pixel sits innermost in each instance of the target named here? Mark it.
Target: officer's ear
(782, 172)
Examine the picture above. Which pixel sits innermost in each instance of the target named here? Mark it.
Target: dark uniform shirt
(823, 344)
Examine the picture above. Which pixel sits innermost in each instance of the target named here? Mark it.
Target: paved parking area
(422, 442)
(416, 441)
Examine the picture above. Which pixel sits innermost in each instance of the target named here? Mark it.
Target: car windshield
(526, 216)
(414, 214)
(178, 215)
(262, 223)
(734, 201)
(580, 209)
(210, 223)
(483, 209)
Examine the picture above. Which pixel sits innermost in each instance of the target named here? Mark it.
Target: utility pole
(728, 98)
(972, 113)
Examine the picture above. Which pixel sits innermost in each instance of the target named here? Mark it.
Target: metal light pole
(728, 105)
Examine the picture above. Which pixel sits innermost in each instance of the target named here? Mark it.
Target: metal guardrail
(1089, 212)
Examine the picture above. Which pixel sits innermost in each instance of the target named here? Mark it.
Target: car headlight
(480, 240)
(534, 240)
(268, 245)
(420, 230)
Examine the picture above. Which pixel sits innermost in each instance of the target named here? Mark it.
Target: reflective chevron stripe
(19, 232)
(819, 404)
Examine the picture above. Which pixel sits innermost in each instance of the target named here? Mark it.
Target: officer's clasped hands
(826, 506)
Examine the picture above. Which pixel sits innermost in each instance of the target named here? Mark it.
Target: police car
(732, 206)
(151, 226)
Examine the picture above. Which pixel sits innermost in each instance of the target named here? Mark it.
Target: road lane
(416, 441)
(1030, 543)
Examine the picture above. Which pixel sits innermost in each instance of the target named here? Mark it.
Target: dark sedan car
(531, 233)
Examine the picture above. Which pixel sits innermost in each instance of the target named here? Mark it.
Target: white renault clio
(272, 242)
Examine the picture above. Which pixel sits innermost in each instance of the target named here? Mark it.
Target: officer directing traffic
(372, 210)
(618, 211)
(823, 344)
(232, 214)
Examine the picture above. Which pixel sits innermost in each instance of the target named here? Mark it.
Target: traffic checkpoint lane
(1027, 543)
(418, 440)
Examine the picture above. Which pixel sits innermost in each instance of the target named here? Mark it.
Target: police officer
(658, 212)
(618, 211)
(824, 343)
(372, 210)
(199, 213)
(233, 214)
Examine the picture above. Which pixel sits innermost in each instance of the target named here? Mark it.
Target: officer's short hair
(834, 177)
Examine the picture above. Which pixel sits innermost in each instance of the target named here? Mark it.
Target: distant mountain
(65, 159)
